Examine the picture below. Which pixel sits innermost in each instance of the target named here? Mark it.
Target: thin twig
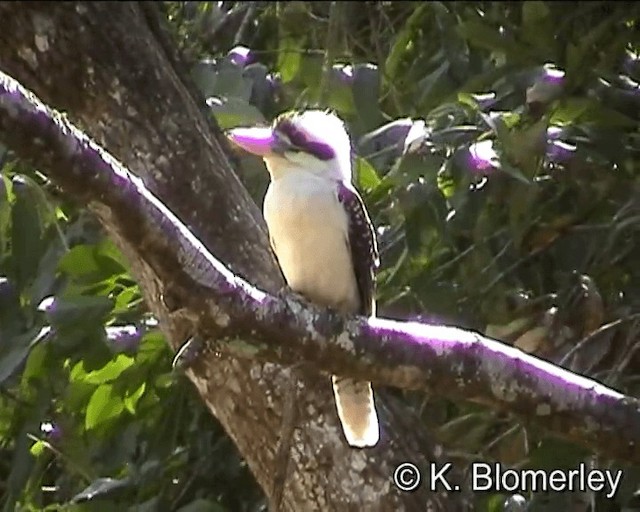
(500, 437)
(244, 23)
(621, 365)
(578, 346)
(332, 37)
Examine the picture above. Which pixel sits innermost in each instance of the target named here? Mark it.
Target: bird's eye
(287, 144)
(283, 137)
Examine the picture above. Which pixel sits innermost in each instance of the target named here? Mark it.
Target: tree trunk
(111, 68)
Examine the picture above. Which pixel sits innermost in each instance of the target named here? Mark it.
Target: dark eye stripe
(298, 139)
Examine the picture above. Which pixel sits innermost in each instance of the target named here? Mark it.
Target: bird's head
(312, 141)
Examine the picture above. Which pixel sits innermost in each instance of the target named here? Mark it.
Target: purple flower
(554, 132)
(125, 338)
(240, 56)
(274, 81)
(559, 151)
(552, 74)
(343, 72)
(19, 184)
(483, 157)
(548, 85)
(485, 100)
(51, 431)
(48, 304)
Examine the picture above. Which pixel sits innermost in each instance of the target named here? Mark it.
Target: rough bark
(101, 63)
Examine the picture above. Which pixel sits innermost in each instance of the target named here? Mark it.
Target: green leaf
(95, 269)
(514, 173)
(366, 90)
(403, 43)
(479, 33)
(152, 347)
(107, 249)
(469, 99)
(46, 275)
(127, 298)
(77, 395)
(22, 345)
(47, 210)
(431, 84)
(26, 236)
(165, 380)
(80, 260)
(230, 82)
(232, 112)
(456, 135)
(580, 109)
(38, 448)
(11, 314)
(37, 363)
(311, 67)
(10, 362)
(110, 371)
(578, 55)
(288, 59)
(76, 312)
(131, 399)
(424, 210)
(367, 178)
(569, 111)
(413, 166)
(340, 96)
(495, 503)
(103, 405)
(100, 488)
(204, 74)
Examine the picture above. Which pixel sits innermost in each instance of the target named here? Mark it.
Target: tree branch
(249, 323)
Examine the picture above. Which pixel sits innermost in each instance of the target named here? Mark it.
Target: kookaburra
(321, 233)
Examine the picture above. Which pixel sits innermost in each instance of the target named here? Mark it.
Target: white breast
(309, 231)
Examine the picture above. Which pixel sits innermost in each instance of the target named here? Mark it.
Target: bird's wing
(362, 245)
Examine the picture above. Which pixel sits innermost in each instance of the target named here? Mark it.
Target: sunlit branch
(248, 322)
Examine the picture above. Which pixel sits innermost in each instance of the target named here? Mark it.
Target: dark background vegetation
(496, 146)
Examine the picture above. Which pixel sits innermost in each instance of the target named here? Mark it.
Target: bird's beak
(259, 141)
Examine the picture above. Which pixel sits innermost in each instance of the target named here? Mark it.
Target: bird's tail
(357, 411)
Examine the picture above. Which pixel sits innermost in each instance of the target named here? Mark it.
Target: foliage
(496, 145)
